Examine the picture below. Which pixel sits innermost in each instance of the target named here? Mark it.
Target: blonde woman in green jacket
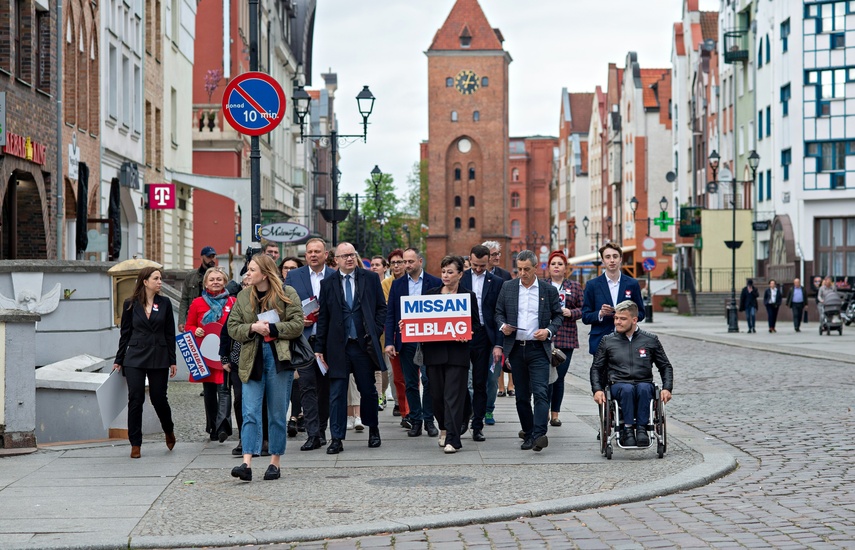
(264, 351)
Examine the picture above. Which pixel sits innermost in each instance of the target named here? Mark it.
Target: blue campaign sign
(648, 264)
(254, 103)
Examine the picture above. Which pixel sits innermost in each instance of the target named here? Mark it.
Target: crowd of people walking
(349, 320)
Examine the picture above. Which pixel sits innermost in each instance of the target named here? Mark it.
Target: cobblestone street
(791, 418)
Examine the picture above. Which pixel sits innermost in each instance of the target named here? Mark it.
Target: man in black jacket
(625, 360)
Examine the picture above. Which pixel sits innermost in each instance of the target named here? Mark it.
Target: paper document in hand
(310, 305)
(269, 316)
(322, 365)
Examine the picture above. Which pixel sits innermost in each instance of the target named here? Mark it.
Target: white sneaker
(442, 438)
(350, 422)
(449, 450)
(357, 424)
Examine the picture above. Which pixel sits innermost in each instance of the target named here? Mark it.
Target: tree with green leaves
(380, 219)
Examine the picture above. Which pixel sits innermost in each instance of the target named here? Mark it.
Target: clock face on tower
(466, 82)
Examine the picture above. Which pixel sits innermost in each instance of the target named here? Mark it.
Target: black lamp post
(733, 244)
(365, 102)
(596, 261)
(406, 228)
(663, 206)
(377, 179)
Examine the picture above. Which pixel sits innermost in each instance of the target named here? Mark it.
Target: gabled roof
(709, 25)
(650, 82)
(467, 17)
(581, 106)
(696, 36)
(679, 45)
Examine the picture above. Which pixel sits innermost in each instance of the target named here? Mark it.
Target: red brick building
(467, 148)
(530, 160)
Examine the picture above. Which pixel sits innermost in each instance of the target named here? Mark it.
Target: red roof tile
(679, 45)
(709, 25)
(581, 106)
(466, 15)
(649, 78)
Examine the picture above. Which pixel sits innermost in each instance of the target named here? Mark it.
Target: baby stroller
(830, 318)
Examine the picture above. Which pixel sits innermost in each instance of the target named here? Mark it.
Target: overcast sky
(553, 43)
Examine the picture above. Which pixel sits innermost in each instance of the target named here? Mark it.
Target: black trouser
(212, 405)
(314, 398)
(158, 381)
(480, 355)
(296, 407)
(448, 393)
(798, 311)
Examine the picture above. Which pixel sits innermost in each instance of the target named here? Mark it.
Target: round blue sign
(254, 103)
(648, 264)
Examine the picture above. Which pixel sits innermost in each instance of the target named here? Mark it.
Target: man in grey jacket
(624, 360)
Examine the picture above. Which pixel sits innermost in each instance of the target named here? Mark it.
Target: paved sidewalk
(91, 495)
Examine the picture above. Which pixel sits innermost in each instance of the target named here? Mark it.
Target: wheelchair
(610, 422)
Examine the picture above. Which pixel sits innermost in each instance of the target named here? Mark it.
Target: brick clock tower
(467, 147)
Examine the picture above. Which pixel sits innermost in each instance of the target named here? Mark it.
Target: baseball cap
(209, 251)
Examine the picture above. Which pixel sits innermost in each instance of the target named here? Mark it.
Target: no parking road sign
(649, 264)
(254, 103)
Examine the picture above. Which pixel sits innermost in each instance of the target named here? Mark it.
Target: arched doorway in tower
(22, 233)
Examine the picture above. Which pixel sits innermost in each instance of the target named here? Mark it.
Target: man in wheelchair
(624, 360)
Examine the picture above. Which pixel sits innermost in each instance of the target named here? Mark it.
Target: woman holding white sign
(205, 319)
(265, 318)
(147, 350)
(447, 362)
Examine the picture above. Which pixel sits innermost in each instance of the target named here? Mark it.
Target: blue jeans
(530, 369)
(421, 409)
(751, 317)
(556, 389)
(492, 383)
(277, 388)
(634, 402)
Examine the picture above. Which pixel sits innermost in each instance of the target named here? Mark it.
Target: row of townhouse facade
(774, 80)
(113, 141)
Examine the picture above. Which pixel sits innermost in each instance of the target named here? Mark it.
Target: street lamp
(733, 244)
(663, 207)
(377, 179)
(365, 103)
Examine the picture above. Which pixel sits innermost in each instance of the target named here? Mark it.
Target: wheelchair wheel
(661, 429)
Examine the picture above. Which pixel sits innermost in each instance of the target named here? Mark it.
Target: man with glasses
(415, 283)
(496, 259)
(192, 288)
(486, 287)
(396, 375)
(350, 322)
(314, 386)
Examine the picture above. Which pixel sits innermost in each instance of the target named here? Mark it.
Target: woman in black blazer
(447, 363)
(147, 349)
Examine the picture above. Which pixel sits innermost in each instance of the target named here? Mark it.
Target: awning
(590, 257)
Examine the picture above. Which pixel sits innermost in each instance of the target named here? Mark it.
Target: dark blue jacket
(300, 281)
(489, 295)
(596, 294)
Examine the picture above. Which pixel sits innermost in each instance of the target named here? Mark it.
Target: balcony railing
(736, 46)
(718, 279)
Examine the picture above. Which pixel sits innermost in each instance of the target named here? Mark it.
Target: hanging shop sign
(25, 148)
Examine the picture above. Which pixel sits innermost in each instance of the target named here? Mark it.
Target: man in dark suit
(528, 315)
(415, 283)
(350, 322)
(796, 300)
(486, 287)
(772, 299)
(496, 259)
(314, 386)
(603, 293)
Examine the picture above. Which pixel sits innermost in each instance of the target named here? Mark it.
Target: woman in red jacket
(213, 306)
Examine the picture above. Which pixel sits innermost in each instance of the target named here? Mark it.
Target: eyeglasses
(397, 262)
(495, 254)
(347, 256)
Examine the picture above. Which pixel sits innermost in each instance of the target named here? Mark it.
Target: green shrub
(668, 301)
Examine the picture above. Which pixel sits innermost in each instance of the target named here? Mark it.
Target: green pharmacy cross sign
(663, 221)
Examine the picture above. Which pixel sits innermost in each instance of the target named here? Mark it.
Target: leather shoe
(527, 445)
(521, 434)
(373, 437)
(431, 429)
(335, 447)
(406, 423)
(323, 439)
(540, 443)
(416, 430)
(396, 411)
(292, 428)
(222, 436)
(311, 444)
(641, 438)
(271, 473)
(478, 435)
(237, 451)
(242, 472)
(627, 437)
(135, 451)
(170, 440)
